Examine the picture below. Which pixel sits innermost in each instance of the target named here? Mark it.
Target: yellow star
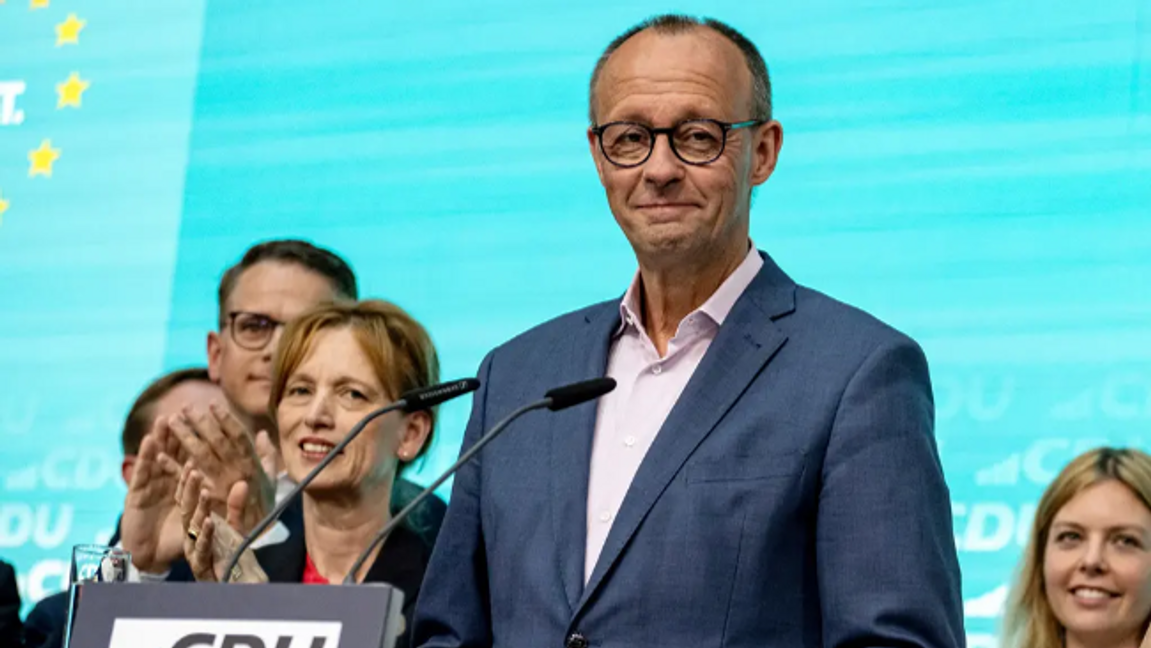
(42, 159)
(69, 30)
(3, 203)
(70, 90)
(39, 4)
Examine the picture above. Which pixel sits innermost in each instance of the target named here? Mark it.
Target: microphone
(555, 400)
(576, 393)
(414, 400)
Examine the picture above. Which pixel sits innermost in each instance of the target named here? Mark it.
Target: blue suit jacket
(11, 630)
(793, 497)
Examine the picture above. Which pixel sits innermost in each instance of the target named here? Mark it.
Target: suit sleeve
(10, 626)
(888, 570)
(453, 610)
(44, 627)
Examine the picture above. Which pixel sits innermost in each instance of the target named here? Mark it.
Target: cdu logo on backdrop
(210, 633)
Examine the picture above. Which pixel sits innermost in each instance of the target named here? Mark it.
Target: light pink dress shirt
(647, 386)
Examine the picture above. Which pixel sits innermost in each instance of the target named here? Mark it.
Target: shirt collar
(716, 308)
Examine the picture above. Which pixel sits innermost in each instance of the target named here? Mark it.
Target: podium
(214, 615)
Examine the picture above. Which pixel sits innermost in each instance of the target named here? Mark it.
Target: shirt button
(629, 441)
(605, 516)
(657, 369)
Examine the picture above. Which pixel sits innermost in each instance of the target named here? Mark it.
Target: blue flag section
(975, 174)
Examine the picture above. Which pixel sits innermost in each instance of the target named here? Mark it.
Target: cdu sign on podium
(208, 633)
(212, 615)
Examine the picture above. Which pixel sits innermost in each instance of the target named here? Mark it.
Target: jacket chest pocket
(742, 486)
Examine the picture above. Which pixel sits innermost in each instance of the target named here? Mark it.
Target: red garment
(312, 575)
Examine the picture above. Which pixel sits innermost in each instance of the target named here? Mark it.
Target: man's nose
(273, 342)
(663, 167)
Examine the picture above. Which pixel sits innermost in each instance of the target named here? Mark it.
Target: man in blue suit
(765, 473)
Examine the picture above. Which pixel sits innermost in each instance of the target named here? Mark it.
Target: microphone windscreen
(580, 392)
(432, 395)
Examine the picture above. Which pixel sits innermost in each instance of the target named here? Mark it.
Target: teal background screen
(977, 173)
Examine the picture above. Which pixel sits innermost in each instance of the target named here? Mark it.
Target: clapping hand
(150, 528)
(223, 451)
(209, 539)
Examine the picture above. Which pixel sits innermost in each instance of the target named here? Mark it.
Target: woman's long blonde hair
(1029, 622)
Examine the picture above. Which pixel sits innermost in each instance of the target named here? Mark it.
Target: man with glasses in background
(765, 472)
(273, 283)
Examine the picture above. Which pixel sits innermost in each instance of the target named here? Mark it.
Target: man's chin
(260, 387)
(665, 240)
(255, 404)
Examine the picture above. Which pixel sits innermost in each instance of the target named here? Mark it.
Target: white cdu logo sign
(211, 633)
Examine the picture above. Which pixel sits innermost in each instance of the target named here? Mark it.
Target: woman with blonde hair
(333, 365)
(1085, 579)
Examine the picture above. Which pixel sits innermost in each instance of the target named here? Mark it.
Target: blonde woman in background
(334, 364)
(1085, 580)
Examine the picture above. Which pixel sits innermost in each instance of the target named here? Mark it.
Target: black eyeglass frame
(725, 128)
(231, 323)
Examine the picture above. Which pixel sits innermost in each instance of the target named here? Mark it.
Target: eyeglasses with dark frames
(252, 331)
(696, 141)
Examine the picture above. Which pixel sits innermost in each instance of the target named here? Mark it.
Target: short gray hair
(672, 24)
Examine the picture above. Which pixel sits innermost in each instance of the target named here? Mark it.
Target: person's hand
(224, 452)
(191, 487)
(210, 542)
(150, 528)
(269, 455)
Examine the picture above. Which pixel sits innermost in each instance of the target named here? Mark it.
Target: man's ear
(215, 353)
(768, 142)
(127, 465)
(593, 147)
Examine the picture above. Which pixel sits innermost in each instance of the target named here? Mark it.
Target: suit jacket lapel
(401, 563)
(284, 562)
(571, 441)
(742, 346)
